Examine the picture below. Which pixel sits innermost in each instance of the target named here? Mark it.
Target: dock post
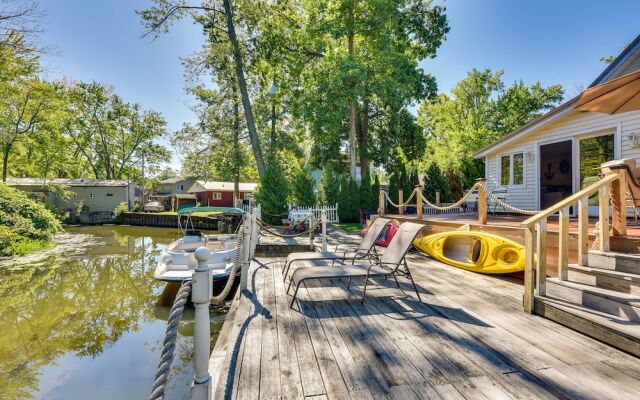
(381, 202)
(254, 231)
(323, 215)
(312, 222)
(419, 202)
(246, 253)
(482, 201)
(201, 292)
(400, 201)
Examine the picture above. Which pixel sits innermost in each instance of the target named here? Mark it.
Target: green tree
(329, 186)
(304, 187)
(478, 111)
(344, 200)
(434, 180)
(375, 193)
(354, 200)
(272, 193)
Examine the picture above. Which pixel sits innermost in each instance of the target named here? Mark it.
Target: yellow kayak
(474, 251)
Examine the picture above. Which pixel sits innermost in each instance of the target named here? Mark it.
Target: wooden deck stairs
(601, 300)
(600, 295)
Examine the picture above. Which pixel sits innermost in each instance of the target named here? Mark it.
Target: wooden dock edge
(223, 344)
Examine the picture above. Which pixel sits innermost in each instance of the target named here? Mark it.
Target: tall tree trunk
(236, 143)
(242, 85)
(363, 139)
(352, 106)
(5, 161)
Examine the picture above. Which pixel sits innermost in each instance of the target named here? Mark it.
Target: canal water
(86, 320)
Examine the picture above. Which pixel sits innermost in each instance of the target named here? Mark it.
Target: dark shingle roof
(66, 182)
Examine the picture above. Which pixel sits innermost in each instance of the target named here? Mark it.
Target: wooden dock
(468, 339)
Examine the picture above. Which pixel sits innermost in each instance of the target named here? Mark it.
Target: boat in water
(178, 261)
(474, 251)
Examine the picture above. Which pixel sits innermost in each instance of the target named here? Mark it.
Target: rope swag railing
(266, 228)
(453, 205)
(506, 205)
(399, 205)
(234, 271)
(169, 344)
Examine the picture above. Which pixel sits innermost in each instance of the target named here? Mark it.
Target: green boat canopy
(226, 210)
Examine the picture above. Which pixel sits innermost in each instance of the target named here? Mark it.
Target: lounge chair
(391, 263)
(366, 248)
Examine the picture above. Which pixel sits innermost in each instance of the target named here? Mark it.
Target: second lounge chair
(392, 263)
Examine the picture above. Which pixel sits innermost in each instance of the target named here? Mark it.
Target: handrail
(569, 201)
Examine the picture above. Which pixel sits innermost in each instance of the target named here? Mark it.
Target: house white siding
(573, 125)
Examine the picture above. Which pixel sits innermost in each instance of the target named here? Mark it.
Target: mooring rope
(274, 233)
(403, 204)
(169, 345)
(234, 270)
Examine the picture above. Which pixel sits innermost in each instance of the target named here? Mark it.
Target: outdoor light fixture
(530, 156)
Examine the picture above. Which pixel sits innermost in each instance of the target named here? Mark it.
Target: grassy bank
(352, 228)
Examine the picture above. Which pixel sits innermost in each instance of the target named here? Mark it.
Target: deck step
(610, 260)
(617, 332)
(621, 305)
(624, 282)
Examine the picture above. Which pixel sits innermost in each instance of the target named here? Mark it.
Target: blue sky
(550, 41)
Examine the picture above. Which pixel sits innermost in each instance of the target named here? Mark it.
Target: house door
(556, 172)
(592, 152)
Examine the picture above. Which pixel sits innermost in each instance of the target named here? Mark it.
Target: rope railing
(169, 344)
(264, 226)
(403, 204)
(453, 205)
(506, 205)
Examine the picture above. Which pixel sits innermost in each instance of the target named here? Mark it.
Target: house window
(91, 195)
(512, 169)
(109, 194)
(216, 196)
(181, 187)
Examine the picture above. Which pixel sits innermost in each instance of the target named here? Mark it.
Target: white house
(555, 155)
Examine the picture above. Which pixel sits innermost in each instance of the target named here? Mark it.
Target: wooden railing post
(618, 203)
(563, 245)
(201, 292)
(541, 251)
(437, 197)
(323, 216)
(603, 208)
(400, 201)
(482, 202)
(583, 231)
(419, 201)
(527, 300)
(381, 202)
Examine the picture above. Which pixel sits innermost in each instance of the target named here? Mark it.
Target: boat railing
(611, 196)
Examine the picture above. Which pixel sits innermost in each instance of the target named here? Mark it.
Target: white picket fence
(332, 212)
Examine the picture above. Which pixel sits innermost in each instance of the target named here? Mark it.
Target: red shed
(219, 194)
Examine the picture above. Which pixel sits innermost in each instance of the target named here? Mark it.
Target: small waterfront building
(171, 186)
(68, 194)
(220, 194)
(559, 153)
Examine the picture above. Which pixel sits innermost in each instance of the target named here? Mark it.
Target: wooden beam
(419, 201)
(529, 255)
(618, 203)
(603, 207)
(563, 245)
(482, 202)
(381, 202)
(583, 231)
(541, 247)
(400, 201)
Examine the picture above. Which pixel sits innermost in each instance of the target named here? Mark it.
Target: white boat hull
(178, 261)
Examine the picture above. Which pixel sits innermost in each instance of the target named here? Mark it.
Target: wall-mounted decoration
(565, 166)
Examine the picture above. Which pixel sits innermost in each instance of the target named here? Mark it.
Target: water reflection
(91, 325)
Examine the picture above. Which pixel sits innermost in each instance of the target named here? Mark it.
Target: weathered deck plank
(468, 339)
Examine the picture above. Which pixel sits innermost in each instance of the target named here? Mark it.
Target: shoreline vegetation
(25, 225)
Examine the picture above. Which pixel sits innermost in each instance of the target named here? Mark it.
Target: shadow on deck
(468, 338)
